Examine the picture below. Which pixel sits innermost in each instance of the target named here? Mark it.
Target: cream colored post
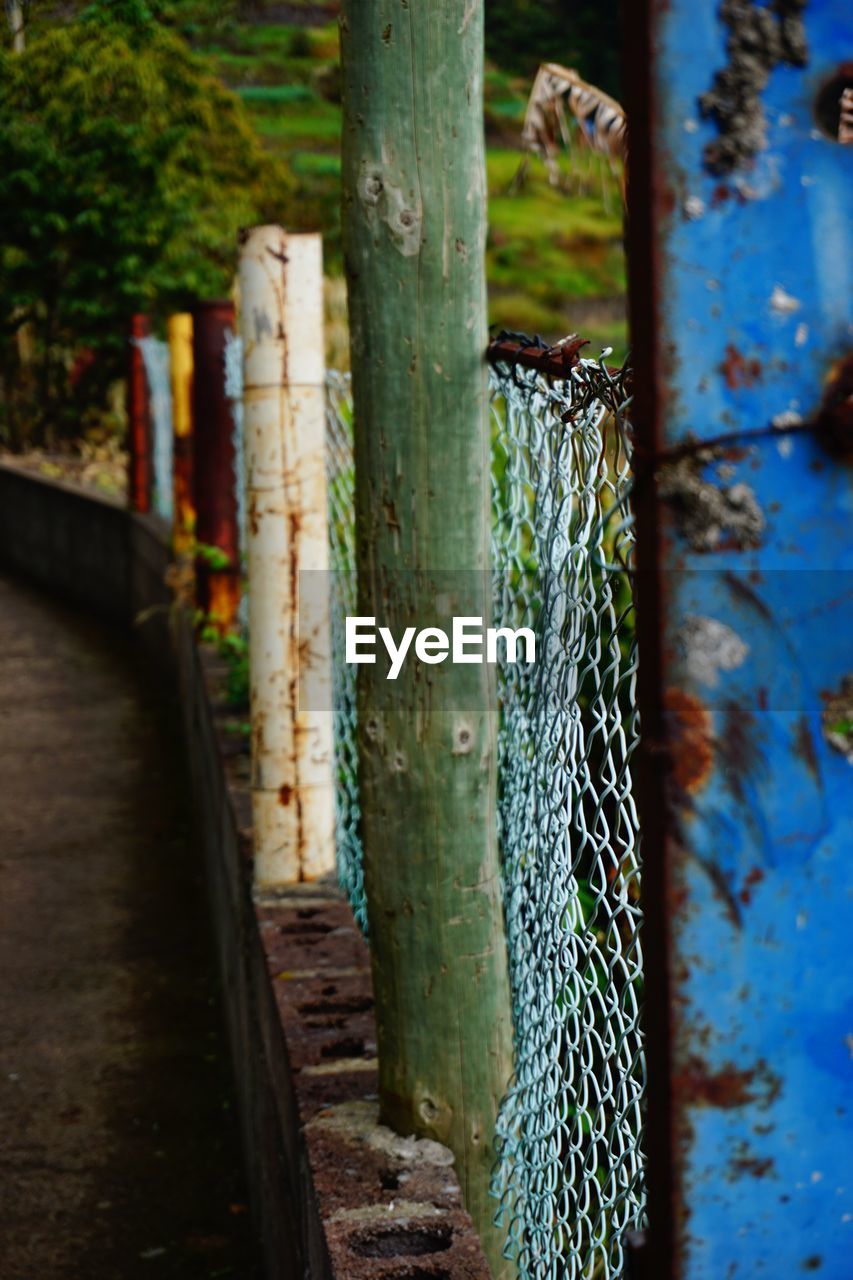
(281, 323)
(15, 16)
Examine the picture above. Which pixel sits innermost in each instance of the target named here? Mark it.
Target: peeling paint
(759, 40)
(710, 647)
(744, 786)
(710, 517)
(786, 419)
(783, 303)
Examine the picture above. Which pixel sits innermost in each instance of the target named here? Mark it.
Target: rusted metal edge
(138, 419)
(556, 362)
(648, 201)
(214, 495)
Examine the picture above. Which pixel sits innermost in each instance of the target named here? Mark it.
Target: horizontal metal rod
(557, 361)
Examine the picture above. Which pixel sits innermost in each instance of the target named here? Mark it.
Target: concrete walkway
(118, 1149)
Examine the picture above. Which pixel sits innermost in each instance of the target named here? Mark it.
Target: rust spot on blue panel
(726, 1086)
(691, 739)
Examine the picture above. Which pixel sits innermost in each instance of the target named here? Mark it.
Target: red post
(138, 420)
(217, 535)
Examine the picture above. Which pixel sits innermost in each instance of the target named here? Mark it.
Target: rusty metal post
(180, 335)
(138, 420)
(741, 319)
(218, 581)
(281, 304)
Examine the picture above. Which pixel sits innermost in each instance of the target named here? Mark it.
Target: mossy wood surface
(414, 238)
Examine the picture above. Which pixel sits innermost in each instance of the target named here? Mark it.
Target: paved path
(118, 1152)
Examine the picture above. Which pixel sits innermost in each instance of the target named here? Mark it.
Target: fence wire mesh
(569, 1177)
(340, 483)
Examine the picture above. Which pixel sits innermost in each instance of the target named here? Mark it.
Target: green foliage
(520, 34)
(126, 169)
(233, 648)
(555, 262)
(273, 94)
(214, 557)
(235, 651)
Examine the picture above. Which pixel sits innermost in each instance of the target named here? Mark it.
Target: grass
(318, 122)
(555, 262)
(276, 94)
(315, 164)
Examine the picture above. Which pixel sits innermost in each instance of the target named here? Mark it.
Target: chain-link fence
(340, 481)
(569, 1176)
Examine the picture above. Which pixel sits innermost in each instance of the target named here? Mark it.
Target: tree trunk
(414, 238)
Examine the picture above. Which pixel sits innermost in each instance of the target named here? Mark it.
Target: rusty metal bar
(281, 324)
(218, 579)
(740, 317)
(556, 362)
(652, 1254)
(138, 419)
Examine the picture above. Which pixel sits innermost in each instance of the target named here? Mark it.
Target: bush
(126, 170)
(521, 34)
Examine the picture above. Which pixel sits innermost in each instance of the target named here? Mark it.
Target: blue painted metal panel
(754, 286)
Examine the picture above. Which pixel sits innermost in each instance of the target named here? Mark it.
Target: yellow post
(180, 334)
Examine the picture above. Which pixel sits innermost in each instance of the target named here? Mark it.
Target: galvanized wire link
(569, 1174)
(340, 482)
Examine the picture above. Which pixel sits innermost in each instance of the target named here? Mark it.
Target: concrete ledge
(336, 1195)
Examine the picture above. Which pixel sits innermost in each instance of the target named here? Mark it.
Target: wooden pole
(414, 204)
(180, 335)
(281, 323)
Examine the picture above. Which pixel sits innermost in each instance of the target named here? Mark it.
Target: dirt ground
(119, 1154)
